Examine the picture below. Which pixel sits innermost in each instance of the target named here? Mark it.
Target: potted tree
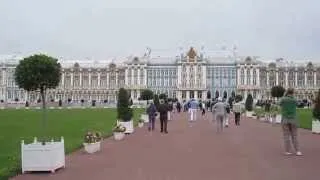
(140, 123)
(147, 95)
(249, 106)
(39, 73)
(277, 92)
(92, 142)
(125, 113)
(60, 103)
(316, 115)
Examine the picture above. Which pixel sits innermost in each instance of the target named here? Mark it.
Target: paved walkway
(249, 152)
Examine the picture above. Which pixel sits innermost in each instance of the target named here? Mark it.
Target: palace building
(189, 73)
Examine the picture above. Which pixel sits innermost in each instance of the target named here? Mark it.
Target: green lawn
(17, 125)
(304, 117)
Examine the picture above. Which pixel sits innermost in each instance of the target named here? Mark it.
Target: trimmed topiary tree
(125, 113)
(277, 91)
(316, 108)
(217, 94)
(38, 72)
(163, 96)
(249, 103)
(238, 98)
(146, 94)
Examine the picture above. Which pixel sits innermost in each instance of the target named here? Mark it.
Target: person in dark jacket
(178, 107)
(152, 112)
(163, 110)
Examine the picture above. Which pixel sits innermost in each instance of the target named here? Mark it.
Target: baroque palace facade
(189, 74)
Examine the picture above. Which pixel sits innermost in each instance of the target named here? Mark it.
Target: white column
(258, 77)
(72, 79)
(238, 75)
(305, 80)
(296, 78)
(89, 79)
(251, 76)
(132, 75)
(204, 95)
(139, 83)
(80, 83)
(179, 75)
(195, 77)
(62, 79)
(117, 79)
(277, 77)
(204, 77)
(126, 76)
(315, 78)
(145, 76)
(287, 78)
(188, 95)
(245, 77)
(99, 79)
(108, 80)
(188, 76)
(131, 93)
(268, 78)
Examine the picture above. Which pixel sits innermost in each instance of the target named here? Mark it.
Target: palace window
(254, 77)
(282, 77)
(242, 76)
(291, 78)
(301, 78)
(248, 77)
(310, 78)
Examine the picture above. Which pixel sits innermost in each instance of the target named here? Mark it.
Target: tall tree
(277, 91)
(249, 103)
(38, 73)
(316, 109)
(217, 94)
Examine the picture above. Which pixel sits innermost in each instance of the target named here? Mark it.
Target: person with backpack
(228, 110)
(152, 113)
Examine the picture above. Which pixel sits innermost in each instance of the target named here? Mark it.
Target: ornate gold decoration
(192, 54)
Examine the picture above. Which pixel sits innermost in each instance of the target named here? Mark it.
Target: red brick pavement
(252, 151)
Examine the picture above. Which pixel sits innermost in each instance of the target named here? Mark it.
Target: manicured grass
(72, 124)
(304, 117)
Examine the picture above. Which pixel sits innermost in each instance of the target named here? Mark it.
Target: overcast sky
(102, 29)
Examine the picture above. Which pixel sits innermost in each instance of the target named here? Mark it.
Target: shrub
(146, 94)
(163, 96)
(277, 91)
(156, 101)
(238, 98)
(92, 137)
(316, 109)
(249, 103)
(124, 111)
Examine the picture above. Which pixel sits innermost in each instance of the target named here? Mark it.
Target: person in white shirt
(237, 110)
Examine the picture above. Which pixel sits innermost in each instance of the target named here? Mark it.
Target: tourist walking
(237, 110)
(152, 113)
(178, 107)
(163, 111)
(203, 107)
(228, 110)
(219, 111)
(289, 122)
(193, 110)
(267, 108)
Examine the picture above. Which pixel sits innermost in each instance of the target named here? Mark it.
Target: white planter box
(249, 114)
(140, 125)
(128, 125)
(316, 127)
(278, 118)
(51, 107)
(38, 157)
(92, 147)
(145, 118)
(118, 136)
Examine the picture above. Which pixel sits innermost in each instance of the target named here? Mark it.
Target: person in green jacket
(290, 122)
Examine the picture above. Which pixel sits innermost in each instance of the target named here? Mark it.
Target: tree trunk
(44, 115)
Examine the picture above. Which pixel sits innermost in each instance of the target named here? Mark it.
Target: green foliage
(233, 94)
(277, 91)
(249, 103)
(163, 96)
(316, 109)
(238, 98)
(146, 94)
(124, 111)
(156, 100)
(38, 72)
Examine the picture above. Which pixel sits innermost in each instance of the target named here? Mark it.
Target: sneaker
(298, 153)
(287, 153)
